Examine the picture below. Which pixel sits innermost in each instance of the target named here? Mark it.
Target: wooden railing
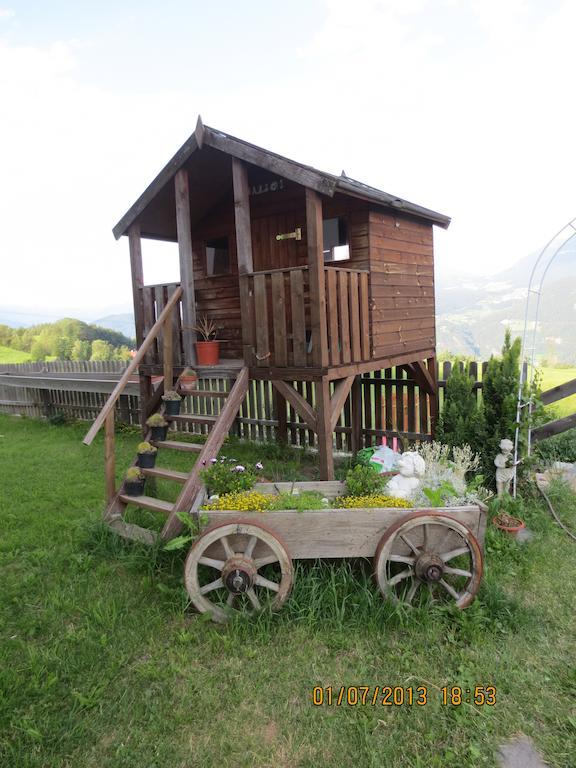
(278, 332)
(347, 315)
(154, 299)
(161, 329)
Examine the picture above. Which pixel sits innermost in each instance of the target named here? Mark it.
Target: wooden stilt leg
(356, 395)
(109, 458)
(324, 430)
(433, 398)
(281, 417)
(145, 395)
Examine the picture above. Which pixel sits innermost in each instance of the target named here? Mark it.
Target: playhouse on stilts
(307, 276)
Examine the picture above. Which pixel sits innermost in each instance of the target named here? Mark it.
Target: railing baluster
(168, 360)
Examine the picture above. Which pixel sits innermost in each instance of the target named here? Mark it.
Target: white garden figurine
(411, 467)
(505, 467)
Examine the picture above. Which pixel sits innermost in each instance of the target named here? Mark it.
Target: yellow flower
(371, 500)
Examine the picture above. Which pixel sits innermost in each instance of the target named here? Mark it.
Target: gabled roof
(324, 183)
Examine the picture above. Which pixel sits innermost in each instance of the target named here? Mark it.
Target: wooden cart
(242, 561)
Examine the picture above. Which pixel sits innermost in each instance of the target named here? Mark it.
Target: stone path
(520, 753)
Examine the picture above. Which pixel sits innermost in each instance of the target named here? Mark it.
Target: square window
(217, 256)
(335, 233)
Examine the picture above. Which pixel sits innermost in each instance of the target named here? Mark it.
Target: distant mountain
(473, 312)
(123, 323)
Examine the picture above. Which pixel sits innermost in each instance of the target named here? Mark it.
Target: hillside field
(8, 355)
(552, 377)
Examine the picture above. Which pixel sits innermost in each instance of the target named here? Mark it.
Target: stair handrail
(134, 363)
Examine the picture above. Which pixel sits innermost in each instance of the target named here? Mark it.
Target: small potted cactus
(172, 402)
(146, 454)
(158, 426)
(134, 482)
(188, 380)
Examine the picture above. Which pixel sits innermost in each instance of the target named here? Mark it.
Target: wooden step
(176, 445)
(204, 393)
(193, 418)
(165, 474)
(148, 502)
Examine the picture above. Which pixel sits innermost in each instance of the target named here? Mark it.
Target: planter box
(336, 533)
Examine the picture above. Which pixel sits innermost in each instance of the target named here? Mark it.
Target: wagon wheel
(429, 551)
(223, 570)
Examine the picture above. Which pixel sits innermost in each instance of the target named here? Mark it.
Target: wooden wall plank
(279, 320)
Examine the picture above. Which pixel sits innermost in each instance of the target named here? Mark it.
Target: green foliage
(364, 481)
(171, 394)
(81, 350)
(101, 350)
(146, 447)
(461, 421)
(228, 476)
(299, 501)
(558, 448)
(134, 473)
(156, 420)
(438, 496)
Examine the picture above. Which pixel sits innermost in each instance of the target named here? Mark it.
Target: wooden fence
(392, 403)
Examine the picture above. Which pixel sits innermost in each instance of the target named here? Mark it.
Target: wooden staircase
(189, 496)
(190, 481)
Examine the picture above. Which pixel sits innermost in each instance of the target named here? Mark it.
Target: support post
(135, 245)
(184, 230)
(168, 352)
(243, 253)
(324, 430)
(356, 416)
(433, 396)
(314, 234)
(109, 458)
(281, 417)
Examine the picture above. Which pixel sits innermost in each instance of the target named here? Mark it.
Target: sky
(463, 106)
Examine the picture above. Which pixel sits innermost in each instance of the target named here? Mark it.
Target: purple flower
(239, 468)
(213, 461)
(259, 465)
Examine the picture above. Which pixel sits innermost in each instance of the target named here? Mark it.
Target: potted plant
(146, 454)
(188, 380)
(208, 350)
(172, 402)
(506, 510)
(158, 426)
(134, 482)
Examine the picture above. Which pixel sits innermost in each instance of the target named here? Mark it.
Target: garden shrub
(364, 480)
(228, 476)
(461, 420)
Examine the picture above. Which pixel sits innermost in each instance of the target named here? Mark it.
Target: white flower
(325, 501)
(214, 497)
(213, 461)
(259, 465)
(239, 468)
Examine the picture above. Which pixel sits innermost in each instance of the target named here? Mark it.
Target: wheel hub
(429, 567)
(238, 575)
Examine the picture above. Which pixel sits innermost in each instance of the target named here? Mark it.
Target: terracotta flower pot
(207, 352)
(188, 383)
(508, 523)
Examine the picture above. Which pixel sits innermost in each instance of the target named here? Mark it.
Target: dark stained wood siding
(401, 284)
(272, 213)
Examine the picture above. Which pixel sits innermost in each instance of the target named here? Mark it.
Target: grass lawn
(103, 665)
(552, 377)
(8, 355)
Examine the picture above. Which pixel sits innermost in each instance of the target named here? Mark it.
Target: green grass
(8, 355)
(102, 664)
(552, 377)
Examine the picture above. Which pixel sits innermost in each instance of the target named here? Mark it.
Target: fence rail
(392, 403)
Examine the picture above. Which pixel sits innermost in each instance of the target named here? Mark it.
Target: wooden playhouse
(308, 276)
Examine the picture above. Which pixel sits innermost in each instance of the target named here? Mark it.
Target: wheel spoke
(400, 577)
(454, 553)
(230, 599)
(458, 572)
(268, 560)
(407, 541)
(250, 546)
(228, 551)
(412, 591)
(262, 582)
(210, 561)
(402, 559)
(254, 599)
(431, 592)
(425, 537)
(450, 589)
(212, 586)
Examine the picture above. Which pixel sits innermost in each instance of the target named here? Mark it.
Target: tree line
(68, 339)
